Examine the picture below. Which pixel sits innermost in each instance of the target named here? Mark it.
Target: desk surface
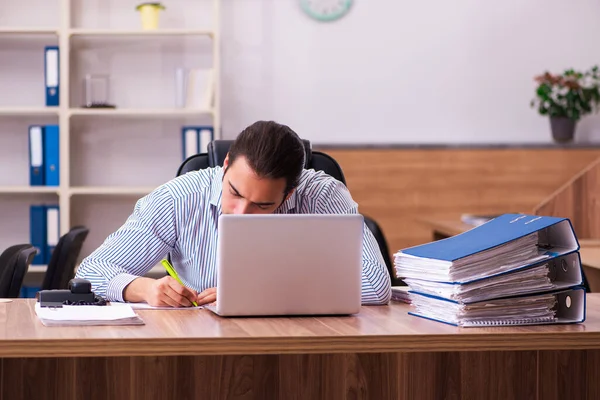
(199, 332)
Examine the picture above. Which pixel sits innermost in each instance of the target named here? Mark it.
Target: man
(262, 173)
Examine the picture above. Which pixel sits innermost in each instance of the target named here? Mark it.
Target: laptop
(284, 265)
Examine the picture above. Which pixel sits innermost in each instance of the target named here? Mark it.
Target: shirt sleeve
(376, 281)
(147, 235)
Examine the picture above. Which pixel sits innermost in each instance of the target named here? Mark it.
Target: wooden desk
(383, 353)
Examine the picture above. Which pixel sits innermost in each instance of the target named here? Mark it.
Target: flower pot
(150, 16)
(563, 129)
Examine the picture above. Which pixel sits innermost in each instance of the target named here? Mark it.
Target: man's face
(245, 193)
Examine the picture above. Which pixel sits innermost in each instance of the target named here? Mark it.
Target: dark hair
(272, 150)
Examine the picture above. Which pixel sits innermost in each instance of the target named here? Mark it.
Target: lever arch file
(51, 155)
(559, 307)
(37, 169)
(557, 273)
(503, 244)
(52, 230)
(52, 76)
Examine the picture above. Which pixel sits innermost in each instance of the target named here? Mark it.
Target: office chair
(319, 161)
(61, 268)
(22, 261)
(14, 263)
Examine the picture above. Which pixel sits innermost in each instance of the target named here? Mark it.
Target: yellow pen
(173, 273)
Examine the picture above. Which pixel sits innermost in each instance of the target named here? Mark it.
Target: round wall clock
(326, 10)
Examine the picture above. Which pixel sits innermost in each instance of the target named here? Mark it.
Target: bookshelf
(109, 158)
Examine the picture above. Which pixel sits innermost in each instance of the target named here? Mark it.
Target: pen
(173, 273)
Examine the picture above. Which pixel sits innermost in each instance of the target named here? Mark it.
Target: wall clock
(326, 10)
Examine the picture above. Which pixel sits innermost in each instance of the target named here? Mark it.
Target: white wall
(394, 71)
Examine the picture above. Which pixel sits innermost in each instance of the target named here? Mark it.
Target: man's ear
(226, 161)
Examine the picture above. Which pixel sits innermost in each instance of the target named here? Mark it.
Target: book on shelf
(516, 269)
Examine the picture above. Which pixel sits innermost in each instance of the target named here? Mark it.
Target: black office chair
(14, 263)
(61, 268)
(319, 161)
(22, 261)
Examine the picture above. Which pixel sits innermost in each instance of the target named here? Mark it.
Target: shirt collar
(216, 191)
(216, 188)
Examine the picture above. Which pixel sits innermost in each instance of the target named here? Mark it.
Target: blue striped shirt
(180, 218)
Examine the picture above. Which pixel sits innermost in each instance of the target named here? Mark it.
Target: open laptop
(301, 264)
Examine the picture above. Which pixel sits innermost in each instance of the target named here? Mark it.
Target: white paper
(87, 315)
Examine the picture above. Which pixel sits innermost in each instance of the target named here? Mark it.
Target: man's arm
(376, 282)
(143, 240)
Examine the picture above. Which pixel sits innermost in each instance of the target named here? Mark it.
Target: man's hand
(162, 292)
(206, 297)
(166, 291)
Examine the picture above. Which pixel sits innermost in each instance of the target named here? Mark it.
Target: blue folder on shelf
(52, 75)
(52, 230)
(37, 232)
(51, 155)
(37, 168)
(506, 243)
(195, 139)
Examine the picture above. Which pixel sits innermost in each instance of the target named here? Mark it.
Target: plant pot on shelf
(563, 129)
(149, 13)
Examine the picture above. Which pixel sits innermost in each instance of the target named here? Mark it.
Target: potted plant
(565, 98)
(150, 13)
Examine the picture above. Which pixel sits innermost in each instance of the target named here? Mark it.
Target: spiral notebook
(559, 307)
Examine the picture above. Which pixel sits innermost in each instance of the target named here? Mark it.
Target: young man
(262, 173)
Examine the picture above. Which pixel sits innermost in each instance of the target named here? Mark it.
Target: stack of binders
(516, 269)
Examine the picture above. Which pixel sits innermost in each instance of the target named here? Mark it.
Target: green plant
(571, 94)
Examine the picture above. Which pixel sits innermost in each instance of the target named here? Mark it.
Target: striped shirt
(180, 218)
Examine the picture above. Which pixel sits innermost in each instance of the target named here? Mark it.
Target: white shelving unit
(109, 158)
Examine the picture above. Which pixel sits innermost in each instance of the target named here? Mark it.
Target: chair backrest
(22, 261)
(319, 161)
(61, 268)
(7, 267)
(217, 151)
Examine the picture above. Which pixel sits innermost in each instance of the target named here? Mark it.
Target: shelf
(140, 33)
(140, 112)
(28, 31)
(111, 190)
(29, 189)
(28, 111)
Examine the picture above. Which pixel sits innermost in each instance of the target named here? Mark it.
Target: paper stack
(400, 293)
(87, 315)
(515, 269)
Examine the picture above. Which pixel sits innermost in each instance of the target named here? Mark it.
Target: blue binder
(569, 308)
(190, 141)
(558, 273)
(51, 155)
(52, 75)
(52, 230)
(37, 169)
(37, 232)
(555, 237)
(206, 134)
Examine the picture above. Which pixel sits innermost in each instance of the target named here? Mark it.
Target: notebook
(87, 315)
(561, 272)
(562, 307)
(503, 244)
